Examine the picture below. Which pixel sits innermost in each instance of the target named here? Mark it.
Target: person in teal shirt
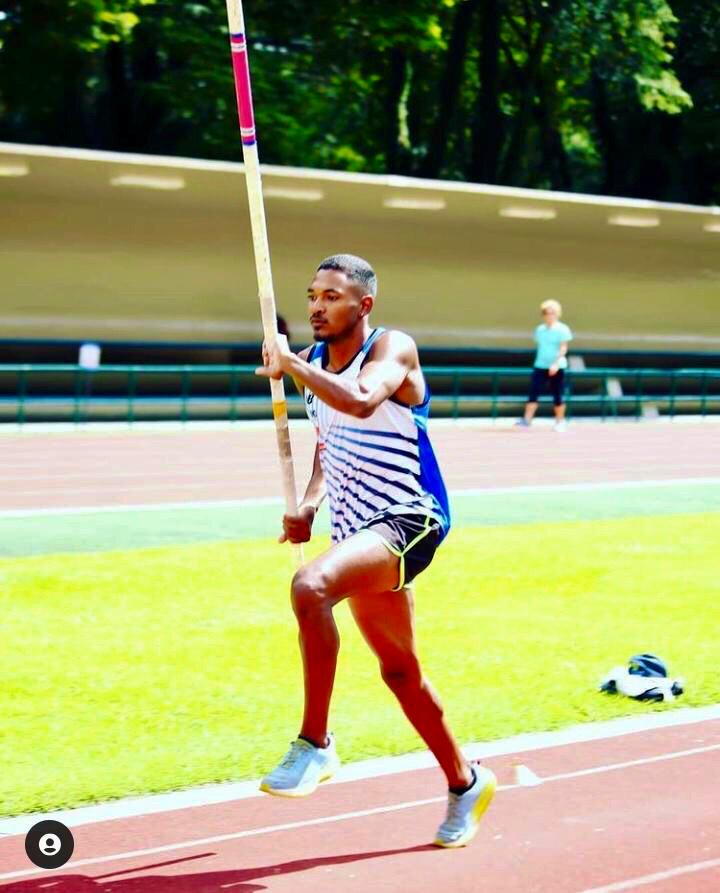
(552, 338)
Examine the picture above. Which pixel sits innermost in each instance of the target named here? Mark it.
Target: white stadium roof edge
(108, 246)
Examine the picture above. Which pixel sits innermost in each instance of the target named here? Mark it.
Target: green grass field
(152, 669)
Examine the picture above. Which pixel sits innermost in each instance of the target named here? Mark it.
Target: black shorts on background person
(541, 381)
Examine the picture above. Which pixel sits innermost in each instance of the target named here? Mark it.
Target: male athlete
(366, 395)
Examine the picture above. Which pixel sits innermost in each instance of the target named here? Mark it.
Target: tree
(618, 96)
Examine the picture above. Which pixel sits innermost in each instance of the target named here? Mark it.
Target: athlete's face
(336, 306)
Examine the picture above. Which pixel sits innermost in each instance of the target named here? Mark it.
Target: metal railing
(129, 393)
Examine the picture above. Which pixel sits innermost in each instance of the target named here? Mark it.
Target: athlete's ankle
(466, 785)
(316, 741)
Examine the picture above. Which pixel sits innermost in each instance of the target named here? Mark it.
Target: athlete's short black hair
(355, 268)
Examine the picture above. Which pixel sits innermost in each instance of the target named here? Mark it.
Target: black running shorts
(412, 537)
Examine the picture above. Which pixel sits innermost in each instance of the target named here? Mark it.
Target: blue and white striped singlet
(383, 463)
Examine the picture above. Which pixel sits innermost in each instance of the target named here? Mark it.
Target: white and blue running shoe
(302, 769)
(465, 811)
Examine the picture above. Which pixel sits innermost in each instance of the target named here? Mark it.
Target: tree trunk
(449, 88)
(396, 79)
(554, 158)
(604, 131)
(149, 112)
(531, 72)
(119, 131)
(69, 124)
(487, 128)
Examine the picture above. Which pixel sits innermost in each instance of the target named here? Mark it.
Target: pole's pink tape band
(241, 70)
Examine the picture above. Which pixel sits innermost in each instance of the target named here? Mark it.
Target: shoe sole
(483, 801)
(304, 791)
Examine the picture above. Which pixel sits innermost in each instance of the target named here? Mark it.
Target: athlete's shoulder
(393, 342)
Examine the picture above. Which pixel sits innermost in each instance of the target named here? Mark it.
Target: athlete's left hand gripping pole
(241, 71)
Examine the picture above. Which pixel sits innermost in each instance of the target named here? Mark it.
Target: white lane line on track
(226, 792)
(168, 486)
(642, 761)
(346, 816)
(645, 879)
(276, 500)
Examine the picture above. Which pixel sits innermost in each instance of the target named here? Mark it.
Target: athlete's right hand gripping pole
(241, 72)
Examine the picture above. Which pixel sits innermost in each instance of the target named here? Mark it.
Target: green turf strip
(99, 531)
(148, 670)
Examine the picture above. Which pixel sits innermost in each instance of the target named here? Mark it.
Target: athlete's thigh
(387, 622)
(358, 566)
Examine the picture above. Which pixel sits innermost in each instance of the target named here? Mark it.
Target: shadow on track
(202, 882)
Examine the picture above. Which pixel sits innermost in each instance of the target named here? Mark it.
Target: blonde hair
(552, 305)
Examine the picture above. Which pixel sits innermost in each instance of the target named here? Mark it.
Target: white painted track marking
(345, 816)
(143, 507)
(226, 792)
(632, 883)
(526, 777)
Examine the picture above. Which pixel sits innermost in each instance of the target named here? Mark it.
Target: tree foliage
(614, 96)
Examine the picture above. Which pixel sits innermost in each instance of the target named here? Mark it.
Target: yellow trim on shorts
(401, 553)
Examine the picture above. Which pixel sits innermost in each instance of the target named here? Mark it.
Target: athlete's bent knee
(309, 593)
(401, 676)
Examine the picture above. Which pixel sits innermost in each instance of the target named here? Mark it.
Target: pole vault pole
(266, 294)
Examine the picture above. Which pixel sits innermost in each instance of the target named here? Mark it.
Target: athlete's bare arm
(392, 369)
(298, 528)
(303, 354)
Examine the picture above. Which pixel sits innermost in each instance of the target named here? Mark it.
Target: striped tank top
(383, 463)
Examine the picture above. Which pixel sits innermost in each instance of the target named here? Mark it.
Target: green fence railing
(129, 393)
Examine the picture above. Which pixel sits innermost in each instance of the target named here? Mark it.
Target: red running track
(633, 812)
(652, 826)
(90, 468)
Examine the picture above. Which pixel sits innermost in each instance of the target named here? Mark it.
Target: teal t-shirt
(548, 340)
